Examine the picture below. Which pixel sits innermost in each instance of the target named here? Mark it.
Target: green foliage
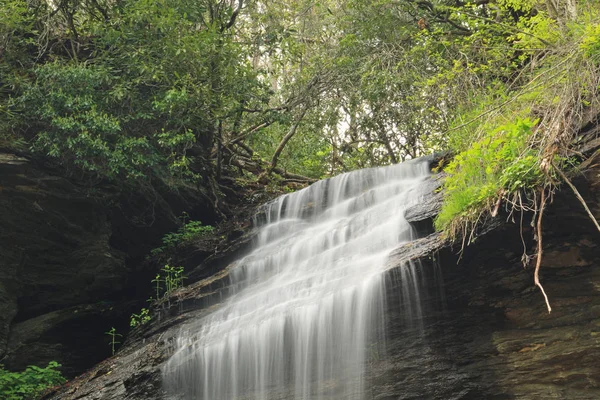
(140, 319)
(502, 161)
(31, 383)
(515, 129)
(78, 125)
(590, 44)
(142, 91)
(122, 91)
(189, 232)
(113, 335)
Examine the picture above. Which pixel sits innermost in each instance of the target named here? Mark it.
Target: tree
(140, 90)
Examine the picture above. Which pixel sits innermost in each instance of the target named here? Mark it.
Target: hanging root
(576, 192)
(538, 263)
(524, 257)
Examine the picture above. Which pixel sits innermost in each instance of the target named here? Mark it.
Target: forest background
(200, 92)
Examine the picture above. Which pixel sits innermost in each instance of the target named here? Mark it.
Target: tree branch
(285, 140)
(249, 131)
(233, 16)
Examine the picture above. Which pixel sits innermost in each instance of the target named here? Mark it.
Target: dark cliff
(72, 261)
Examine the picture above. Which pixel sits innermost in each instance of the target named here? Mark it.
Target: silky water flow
(308, 302)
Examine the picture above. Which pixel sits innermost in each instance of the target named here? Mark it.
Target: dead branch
(498, 202)
(258, 167)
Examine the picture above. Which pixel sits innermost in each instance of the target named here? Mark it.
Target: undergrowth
(499, 163)
(189, 232)
(166, 282)
(514, 137)
(31, 383)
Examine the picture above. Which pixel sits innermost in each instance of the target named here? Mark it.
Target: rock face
(68, 257)
(489, 335)
(484, 332)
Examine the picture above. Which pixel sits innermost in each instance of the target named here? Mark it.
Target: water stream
(308, 302)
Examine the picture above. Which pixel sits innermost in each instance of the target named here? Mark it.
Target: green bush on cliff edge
(29, 384)
(516, 137)
(500, 162)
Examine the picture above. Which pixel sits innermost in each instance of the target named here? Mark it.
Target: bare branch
(249, 131)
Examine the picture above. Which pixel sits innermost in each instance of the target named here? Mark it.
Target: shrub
(186, 234)
(590, 44)
(31, 383)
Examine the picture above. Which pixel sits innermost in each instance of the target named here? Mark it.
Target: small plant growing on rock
(157, 281)
(113, 338)
(140, 319)
(186, 234)
(164, 284)
(169, 280)
(173, 278)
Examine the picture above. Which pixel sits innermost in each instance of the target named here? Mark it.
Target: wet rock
(430, 204)
(484, 331)
(71, 263)
(421, 215)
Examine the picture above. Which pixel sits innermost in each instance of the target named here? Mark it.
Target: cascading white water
(308, 300)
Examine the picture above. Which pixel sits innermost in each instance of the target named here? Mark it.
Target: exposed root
(578, 195)
(536, 274)
(474, 227)
(524, 257)
(497, 206)
(462, 245)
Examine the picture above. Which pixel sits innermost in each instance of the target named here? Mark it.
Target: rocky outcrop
(484, 331)
(72, 262)
(488, 334)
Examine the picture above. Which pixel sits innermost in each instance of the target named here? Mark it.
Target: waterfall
(308, 302)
